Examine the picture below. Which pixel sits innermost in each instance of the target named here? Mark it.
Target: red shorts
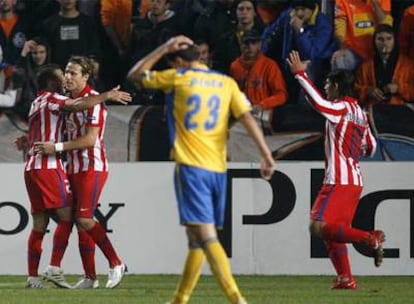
(86, 187)
(47, 189)
(336, 203)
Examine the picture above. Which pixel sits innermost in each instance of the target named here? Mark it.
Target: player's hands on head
(177, 43)
(119, 96)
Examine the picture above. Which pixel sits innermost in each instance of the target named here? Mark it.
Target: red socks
(34, 251)
(344, 234)
(98, 234)
(60, 241)
(87, 253)
(338, 253)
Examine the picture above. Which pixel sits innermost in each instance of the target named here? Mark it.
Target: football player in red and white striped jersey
(87, 172)
(347, 137)
(46, 181)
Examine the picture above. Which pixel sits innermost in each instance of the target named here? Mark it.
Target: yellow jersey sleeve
(161, 80)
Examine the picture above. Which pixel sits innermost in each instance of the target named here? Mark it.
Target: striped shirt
(92, 158)
(347, 135)
(46, 123)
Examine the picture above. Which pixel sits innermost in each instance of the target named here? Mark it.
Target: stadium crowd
(116, 33)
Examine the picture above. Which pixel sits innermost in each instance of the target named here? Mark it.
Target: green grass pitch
(148, 289)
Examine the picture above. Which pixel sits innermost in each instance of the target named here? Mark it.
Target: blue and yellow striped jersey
(199, 104)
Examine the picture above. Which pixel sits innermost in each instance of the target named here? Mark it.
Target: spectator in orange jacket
(388, 76)
(258, 77)
(406, 32)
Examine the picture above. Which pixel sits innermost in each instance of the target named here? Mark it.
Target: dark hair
(199, 41)
(345, 80)
(189, 54)
(41, 41)
(311, 4)
(45, 74)
(253, 2)
(384, 28)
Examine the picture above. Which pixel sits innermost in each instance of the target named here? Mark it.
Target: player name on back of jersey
(206, 82)
(355, 119)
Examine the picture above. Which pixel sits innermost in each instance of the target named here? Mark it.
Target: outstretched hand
(177, 43)
(295, 63)
(21, 142)
(119, 96)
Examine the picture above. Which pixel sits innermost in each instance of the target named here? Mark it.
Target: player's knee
(64, 214)
(40, 222)
(85, 223)
(315, 228)
(201, 233)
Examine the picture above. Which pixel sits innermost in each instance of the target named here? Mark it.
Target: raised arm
(80, 104)
(172, 45)
(331, 110)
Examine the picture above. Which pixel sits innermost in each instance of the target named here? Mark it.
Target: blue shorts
(201, 195)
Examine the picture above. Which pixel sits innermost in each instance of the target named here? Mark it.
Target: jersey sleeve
(161, 80)
(369, 143)
(333, 111)
(94, 116)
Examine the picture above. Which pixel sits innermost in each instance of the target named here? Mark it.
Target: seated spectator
(387, 77)
(70, 32)
(259, 77)
(247, 19)
(355, 22)
(406, 32)
(301, 27)
(205, 52)
(35, 53)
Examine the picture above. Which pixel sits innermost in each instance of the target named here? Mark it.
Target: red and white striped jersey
(46, 123)
(347, 135)
(92, 158)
